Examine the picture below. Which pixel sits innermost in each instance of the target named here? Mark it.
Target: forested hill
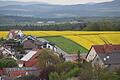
(111, 9)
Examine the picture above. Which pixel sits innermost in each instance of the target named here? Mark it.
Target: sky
(64, 2)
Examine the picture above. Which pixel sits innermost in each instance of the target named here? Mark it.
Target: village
(25, 50)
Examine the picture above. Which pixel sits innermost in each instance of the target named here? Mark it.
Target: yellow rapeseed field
(84, 38)
(3, 34)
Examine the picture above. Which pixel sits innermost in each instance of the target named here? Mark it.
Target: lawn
(66, 44)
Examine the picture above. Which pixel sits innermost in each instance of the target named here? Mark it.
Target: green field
(66, 44)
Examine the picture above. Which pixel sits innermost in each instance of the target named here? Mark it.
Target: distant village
(25, 49)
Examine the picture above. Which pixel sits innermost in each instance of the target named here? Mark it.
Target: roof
(29, 55)
(111, 58)
(29, 37)
(30, 63)
(17, 73)
(51, 43)
(109, 54)
(19, 68)
(1, 71)
(5, 49)
(28, 43)
(71, 57)
(106, 48)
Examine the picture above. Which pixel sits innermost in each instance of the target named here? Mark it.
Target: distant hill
(106, 9)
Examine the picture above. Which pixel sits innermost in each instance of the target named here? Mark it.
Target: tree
(89, 72)
(47, 58)
(7, 62)
(79, 55)
(86, 71)
(67, 70)
(2, 40)
(44, 74)
(54, 76)
(117, 74)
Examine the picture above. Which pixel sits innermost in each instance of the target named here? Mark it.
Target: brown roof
(106, 48)
(110, 54)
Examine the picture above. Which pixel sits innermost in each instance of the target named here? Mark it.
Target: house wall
(5, 51)
(55, 49)
(20, 33)
(10, 36)
(50, 46)
(91, 55)
(97, 61)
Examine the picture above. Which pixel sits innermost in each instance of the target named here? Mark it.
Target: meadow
(83, 38)
(66, 44)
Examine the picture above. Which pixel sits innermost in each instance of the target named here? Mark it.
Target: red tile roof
(17, 73)
(30, 63)
(1, 71)
(106, 48)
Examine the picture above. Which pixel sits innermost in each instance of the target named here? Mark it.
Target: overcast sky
(65, 2)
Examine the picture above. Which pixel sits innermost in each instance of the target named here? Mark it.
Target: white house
(15, 34)
(4, 51)
(51, 46)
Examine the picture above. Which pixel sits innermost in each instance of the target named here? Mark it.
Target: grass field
(66, 44)
(83, 38)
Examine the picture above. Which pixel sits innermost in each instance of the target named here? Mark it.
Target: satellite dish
(105, 59)
(108, 57)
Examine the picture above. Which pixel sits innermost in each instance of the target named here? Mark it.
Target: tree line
(46, 27)
(103, 25)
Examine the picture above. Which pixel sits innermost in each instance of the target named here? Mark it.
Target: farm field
(83, 38)
(66, 44)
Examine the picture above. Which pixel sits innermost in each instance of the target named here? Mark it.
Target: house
(5, 52)
(11, 44)
(18, 72)
(30, 59)
(29, 55)
(28, 37)
(51, 46)
(30, 43)
(15, 34)
(107, 55)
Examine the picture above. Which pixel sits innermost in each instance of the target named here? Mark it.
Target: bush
(7, 62)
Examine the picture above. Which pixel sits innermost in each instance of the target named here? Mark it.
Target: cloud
(66, 2)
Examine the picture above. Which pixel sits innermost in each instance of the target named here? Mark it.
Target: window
(48, 46)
